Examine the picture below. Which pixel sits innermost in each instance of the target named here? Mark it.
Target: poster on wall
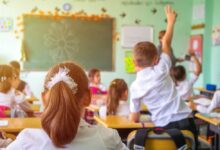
(129, 65)
(196, 42)
(216, 35)
(6, 24)
(131, 35)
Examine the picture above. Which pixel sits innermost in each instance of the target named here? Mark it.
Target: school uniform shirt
(215, 103)
(155, 88)
(123, 108)
(6, 99)
(88, 137)
(185, 88)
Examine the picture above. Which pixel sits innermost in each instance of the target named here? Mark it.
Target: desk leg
(216, 130)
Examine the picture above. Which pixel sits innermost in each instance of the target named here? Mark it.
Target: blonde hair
(62, 113)
(144, 54)
(6, 73)
(116, 89)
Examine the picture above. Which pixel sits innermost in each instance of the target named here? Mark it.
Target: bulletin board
(132, 34)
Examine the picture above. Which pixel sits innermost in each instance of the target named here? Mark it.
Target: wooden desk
(93, 108)
(205, 92)
(214, 124)
(34, 107)
(120, 122)
(32, 99)
(15, 125)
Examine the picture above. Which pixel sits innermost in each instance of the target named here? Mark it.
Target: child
(117, 98)
(95, 82)
(159, 48)
(154, 86)
(184, 86)
(19, 84)
(214, 103)
(9, 97)
(65, 95)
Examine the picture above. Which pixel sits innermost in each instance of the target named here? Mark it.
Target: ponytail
(112, 100)
(61, 117)
(116, 89)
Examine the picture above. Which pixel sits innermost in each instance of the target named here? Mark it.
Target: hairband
(62, 75)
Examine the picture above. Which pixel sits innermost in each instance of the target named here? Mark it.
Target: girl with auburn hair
(117, 98)
(9, 97)
(65, 95)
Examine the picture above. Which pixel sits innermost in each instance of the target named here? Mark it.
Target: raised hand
(170, 14)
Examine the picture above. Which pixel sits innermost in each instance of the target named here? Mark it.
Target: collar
(144, 71)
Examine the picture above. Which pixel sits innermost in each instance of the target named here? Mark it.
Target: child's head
(118, 90)
(145, 55)
(94, 76)
(161, 35)
(6, 77)
(178, 73)
(15, 65)
(66, 93)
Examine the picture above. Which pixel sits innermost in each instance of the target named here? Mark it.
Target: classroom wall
(215, 50)
(135, 10)
(200, 81)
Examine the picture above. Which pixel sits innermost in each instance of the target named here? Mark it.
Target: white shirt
(88, 137)
(123, 108)
(6, 99)
(27, 90)
(185, 88)
(155, 88)
(215, 103)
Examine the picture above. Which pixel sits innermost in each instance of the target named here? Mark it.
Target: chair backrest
(161, 141)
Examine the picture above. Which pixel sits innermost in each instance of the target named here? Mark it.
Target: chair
(161, 141)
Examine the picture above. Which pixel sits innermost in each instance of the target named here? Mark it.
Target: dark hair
(92, 73)
(144, 53)
(116, 89)
(178, 73)
(61, 117)
(161, 34)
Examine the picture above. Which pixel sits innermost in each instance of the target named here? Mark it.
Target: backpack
(175, 134)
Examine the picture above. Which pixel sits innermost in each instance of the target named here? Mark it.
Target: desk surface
(204, 90)
(120, 122)
(17, 124)
(214, 121)
(32, 99)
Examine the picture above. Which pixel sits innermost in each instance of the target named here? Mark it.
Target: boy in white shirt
(154, 86)
(184, 86)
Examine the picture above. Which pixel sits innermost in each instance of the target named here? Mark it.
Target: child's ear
(86, 100)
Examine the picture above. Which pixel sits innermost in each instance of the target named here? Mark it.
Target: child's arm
(195, 60)
(134, 116)
(167, 39)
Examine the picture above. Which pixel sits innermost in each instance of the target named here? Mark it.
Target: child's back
(184, 86)
(155, 88)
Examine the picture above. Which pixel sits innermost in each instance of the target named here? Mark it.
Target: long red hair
(61, 116)
(116, 89)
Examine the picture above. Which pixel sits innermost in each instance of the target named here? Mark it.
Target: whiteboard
(131, 35)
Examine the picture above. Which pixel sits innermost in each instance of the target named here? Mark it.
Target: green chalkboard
(48, 41)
